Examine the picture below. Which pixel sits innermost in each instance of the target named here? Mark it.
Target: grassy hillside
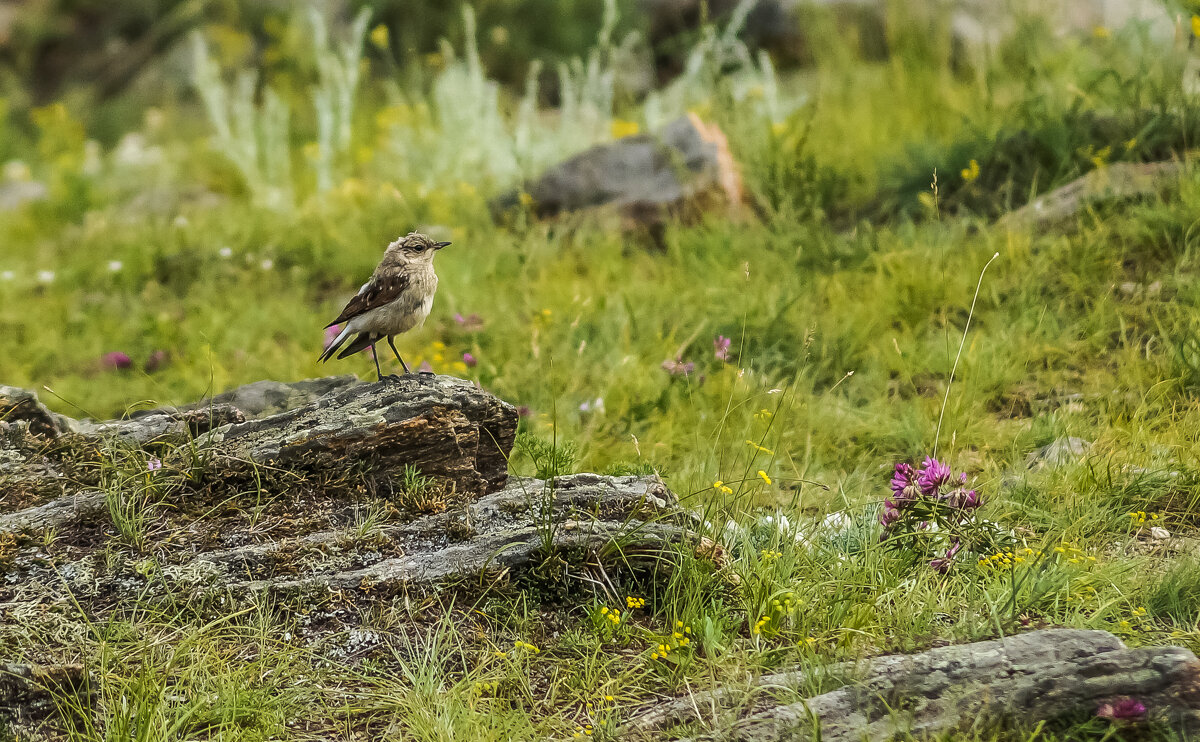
(846, 296)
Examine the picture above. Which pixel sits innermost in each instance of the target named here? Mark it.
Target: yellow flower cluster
(612, 614)
(1006, 558)
(680, 638)
(971, 173)
(583, 731)
(768, 555)
(720, 486)
(526, 646)
(1083, 595)
(1140, 517)
(484, 687)
(632, 602)
(758, 626)
(764, 414)
(621, 128)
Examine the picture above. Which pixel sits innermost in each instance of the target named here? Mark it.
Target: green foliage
(550, 458)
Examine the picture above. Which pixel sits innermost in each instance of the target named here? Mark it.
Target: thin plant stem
(966, 328)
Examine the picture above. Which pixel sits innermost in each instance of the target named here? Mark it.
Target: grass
(845, 297)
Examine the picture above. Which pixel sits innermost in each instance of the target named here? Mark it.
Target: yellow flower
(621, 128)
(1101, 32)
(525, 199)
(720, 486)
(971, 173)
(763, 476)
(757, 447)
(379, 37)
(778, 128)
(1196, 25)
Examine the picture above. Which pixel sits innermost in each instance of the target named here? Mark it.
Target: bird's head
(414, 247)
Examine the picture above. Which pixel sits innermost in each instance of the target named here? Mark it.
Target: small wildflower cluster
(779, 611)
(1137, 617)
(484, 687)
(769, 555)
(525, 646)
(1140, 518)
(680, 638)
(611, 614)
(930, 504)
(632, 603)
(1125, 709)
(721, 487)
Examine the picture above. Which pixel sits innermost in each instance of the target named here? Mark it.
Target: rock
(1060, 452)
(23, 406)
(956, 690)
(269, 397)
(447, 428)
(30, 693)
(65, 511)
(161, 425)
(1116, 182)
(686, 166)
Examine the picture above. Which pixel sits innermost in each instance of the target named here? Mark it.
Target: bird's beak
(440, 245)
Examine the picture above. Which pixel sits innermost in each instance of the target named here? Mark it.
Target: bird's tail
(333, 346)
(361, 342)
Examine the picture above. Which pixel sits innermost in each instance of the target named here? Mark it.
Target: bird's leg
(375, 358)
(397, 354)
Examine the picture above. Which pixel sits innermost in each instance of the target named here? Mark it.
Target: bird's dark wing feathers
(379, 292)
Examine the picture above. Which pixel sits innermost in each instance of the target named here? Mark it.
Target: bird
(397, 298)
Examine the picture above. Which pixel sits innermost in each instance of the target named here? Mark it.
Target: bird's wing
(379, 291)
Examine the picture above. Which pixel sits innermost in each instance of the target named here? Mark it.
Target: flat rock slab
(1116, 182)
(447, 428)
(1016, 681)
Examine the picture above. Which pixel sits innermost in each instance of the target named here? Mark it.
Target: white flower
(267, 264)
(115, 265)
(225, 252)
(7, 276)
(596, 406)
(16, 171)
(45, 276)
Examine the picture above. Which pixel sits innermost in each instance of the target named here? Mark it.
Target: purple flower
(904, 483)
(424, 368)
(932, 475)
(157, 360)
(153, 464)
(1124, 709)
(721, 348)
(331, 334)
(963, 499)
(890, 514)
(942, 564)
(524, 411)
(116, 360)
(469, 360)
(470, 323)
(677, 367)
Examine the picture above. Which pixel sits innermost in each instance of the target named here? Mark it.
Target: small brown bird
(396, 299)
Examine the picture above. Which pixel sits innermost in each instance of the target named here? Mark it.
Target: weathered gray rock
(686, 164)
(23, 406)
(161, 425)
(1116, 182)
(267, 397)
(69, 510)
(446, 427)
(1015, 681)
(1059, 452)
(29, 693)
(500, 532)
